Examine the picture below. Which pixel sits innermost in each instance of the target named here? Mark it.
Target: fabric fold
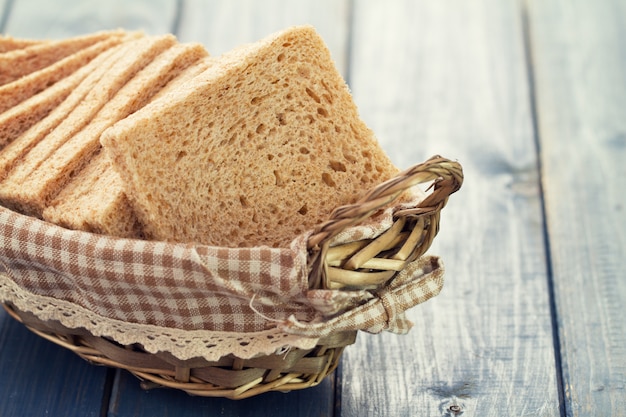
(136, 291)
(420, 281)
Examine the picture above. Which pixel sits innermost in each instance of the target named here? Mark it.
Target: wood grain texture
(130, 400)
(64, 18)
(4, 7)
(579, 58)
(450, 78)
(38, 378)
(223, 25)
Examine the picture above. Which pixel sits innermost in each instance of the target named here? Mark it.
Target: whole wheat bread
(9, 43)
(19, 90)
(90, 203)
(95, 200)
(60, 121)
(20, 62)
(17, 119)
(32, 184)
(260, 147)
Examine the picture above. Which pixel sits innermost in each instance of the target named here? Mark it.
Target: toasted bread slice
(95, 199)
(259, 148)
(20, 62)
(146, 70)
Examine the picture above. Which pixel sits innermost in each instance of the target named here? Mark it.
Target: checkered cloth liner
(193, 287)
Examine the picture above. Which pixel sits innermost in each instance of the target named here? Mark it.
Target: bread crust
(95, 200)
(159, 141)
(31, 98)
(9, 43)
(13, 93)
(48, 167)
(19, 62)
(259, 148)
(16, 148)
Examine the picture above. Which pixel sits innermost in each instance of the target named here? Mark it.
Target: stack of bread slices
(138, 136)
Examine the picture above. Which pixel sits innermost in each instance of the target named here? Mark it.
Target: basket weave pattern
(353, 272)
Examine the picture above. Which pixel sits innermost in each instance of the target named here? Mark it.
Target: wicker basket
(366, 264)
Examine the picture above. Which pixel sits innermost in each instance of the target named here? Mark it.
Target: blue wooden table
(530, 97)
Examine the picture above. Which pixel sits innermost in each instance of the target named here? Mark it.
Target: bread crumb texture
(94, 202)
(257, 149)
(52, 163)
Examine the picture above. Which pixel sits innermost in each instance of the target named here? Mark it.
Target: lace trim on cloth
(194, 300)
(183, 344)
(182, 286)
(385, 311)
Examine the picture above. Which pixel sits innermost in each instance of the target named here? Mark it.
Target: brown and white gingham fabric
(194, 287)
(418, 282)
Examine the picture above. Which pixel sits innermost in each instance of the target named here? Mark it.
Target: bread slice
(20, 62)
(260, 147)
(9, 43)
(88, 204)
(185, 76)
(19, 90)
(60, 121)
(38, 187)
(17, 119)
(95, 199)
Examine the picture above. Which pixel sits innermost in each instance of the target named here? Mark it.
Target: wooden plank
(450, 78)
(312, 402)
(579, 67)
(4, 8)
(223, 25)
(39, 378)
(64, 18)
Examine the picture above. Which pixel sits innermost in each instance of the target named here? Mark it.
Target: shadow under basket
(362, 264)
